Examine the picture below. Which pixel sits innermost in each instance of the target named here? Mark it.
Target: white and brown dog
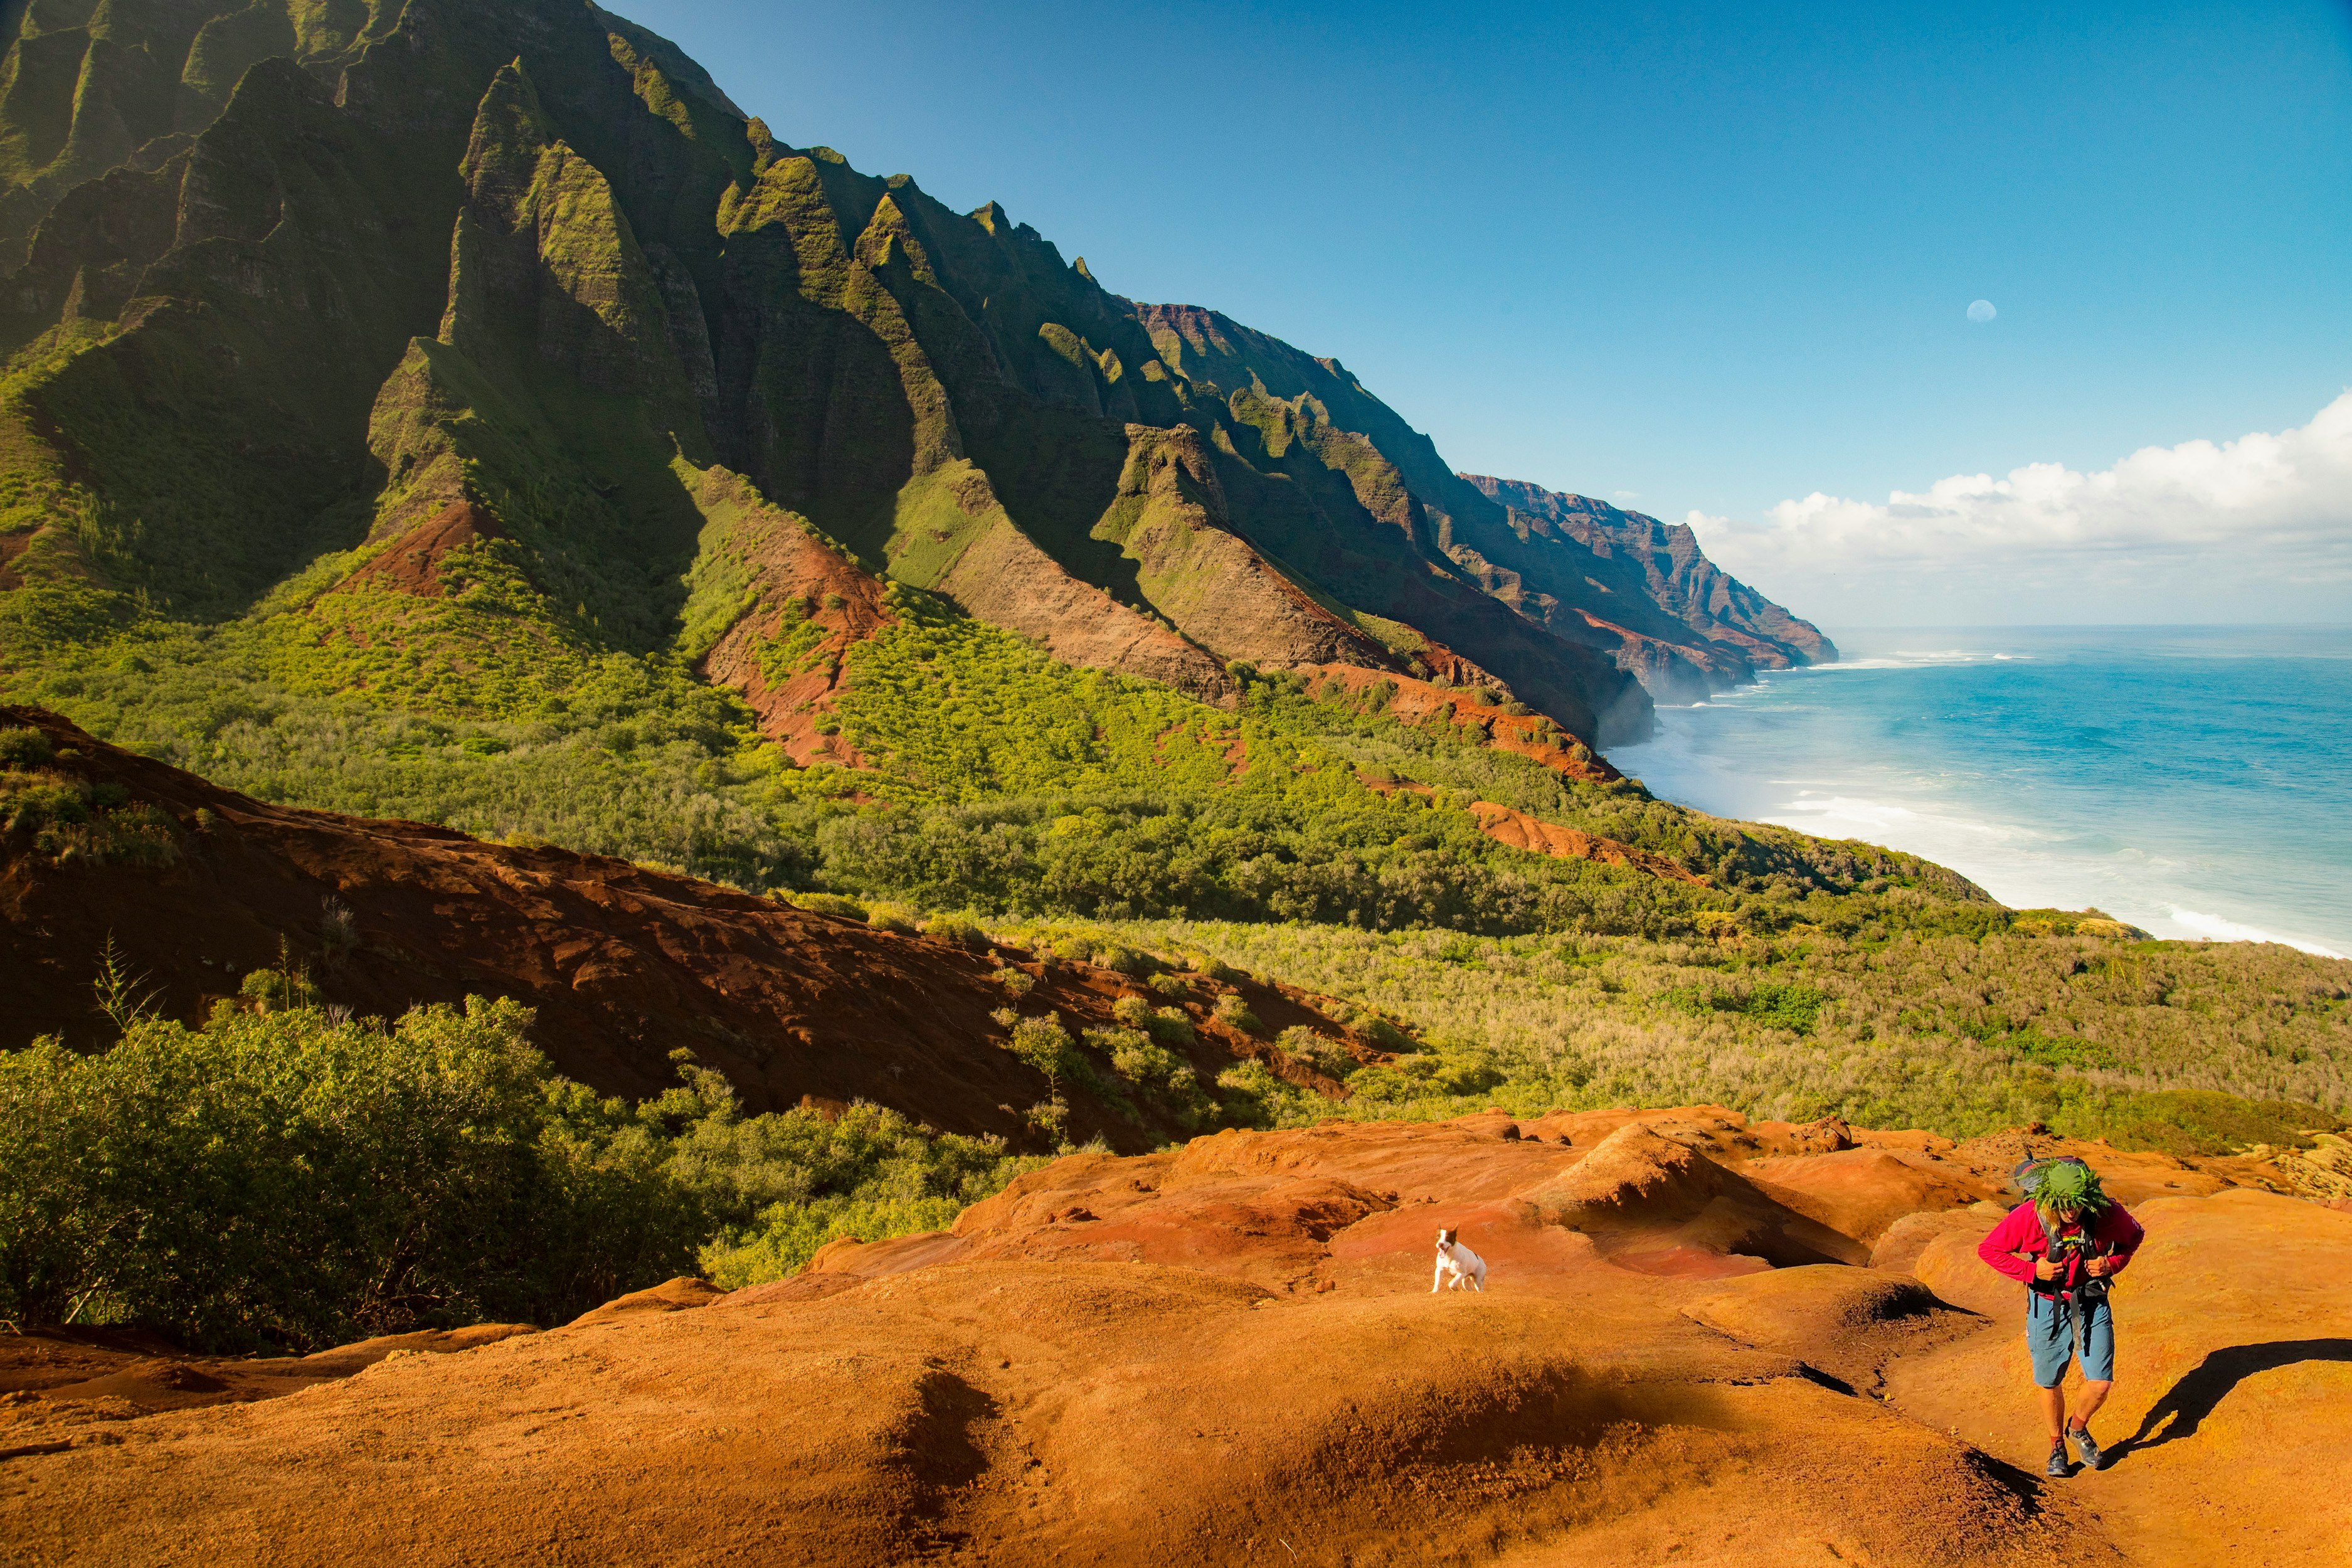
(1465, 1266)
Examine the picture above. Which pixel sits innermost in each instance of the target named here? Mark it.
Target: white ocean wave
(2214, 928)
(2014, 810)
(1911, 658)
(1884, 822)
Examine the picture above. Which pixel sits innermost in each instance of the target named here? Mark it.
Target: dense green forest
(1003, 780)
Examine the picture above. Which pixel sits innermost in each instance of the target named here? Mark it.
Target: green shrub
(956, 930)
(1044, 1044)
(1172, 985)
(1383, 1033)
(1231, 1009)
(1017, 982)
(1172, 1024)
(804, 1181)
(1319, 1051)
(22, 748)
(40, 801)
(1441, 1078)
(895, 918)
(1794, 1007)
(287, 1179)
(1249, 1095)
(280, 990)
(1164, 1076)
(829, 904)
(1132, 1011)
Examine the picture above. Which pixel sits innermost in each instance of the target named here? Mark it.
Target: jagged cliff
(312, 308)
(1681, 626)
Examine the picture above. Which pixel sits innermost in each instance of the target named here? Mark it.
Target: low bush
(23, 748)
(1249, 1095)
(956, 930)
(1044, 1044)
(283, 1180)
(829, 904)
(870, 1173)
(1316, 1050)
(288, 1179)
(1159, 1073)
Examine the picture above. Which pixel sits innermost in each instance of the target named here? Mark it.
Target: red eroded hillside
(196, 886)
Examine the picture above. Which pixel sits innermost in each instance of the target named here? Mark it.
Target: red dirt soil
(1416, 701)
(789, 566)
(1516, 828)
(412, 565)
(623, 963)
(1229, 1352)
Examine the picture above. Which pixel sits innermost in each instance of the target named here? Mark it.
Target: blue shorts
(2052, 1328)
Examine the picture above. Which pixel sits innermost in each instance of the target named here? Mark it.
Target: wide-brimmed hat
(2066, 1185)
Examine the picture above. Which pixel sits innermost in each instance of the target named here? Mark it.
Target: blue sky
(1705, 258)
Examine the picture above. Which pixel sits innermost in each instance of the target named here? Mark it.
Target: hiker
(2063, 1244)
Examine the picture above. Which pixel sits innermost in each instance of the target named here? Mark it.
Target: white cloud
(2259, 528)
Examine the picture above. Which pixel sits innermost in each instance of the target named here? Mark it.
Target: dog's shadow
(2188, 1401)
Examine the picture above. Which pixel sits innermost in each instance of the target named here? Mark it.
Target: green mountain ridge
(295, 280)
(468, 414)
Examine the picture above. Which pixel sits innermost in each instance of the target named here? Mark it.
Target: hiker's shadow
(2189, 1401)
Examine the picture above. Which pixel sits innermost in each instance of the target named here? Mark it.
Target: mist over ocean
(2195, 780)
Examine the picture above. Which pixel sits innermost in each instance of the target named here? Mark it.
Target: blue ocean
(2194, 781)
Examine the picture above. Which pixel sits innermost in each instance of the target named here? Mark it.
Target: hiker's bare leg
(2054, 1408)
(2094, 1395)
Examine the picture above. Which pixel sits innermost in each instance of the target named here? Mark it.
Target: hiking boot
(2056, 1470)
(2090, 1449)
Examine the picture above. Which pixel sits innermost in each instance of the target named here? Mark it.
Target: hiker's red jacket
(2113, 1231)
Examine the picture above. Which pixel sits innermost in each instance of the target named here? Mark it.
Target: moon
(1982, 311)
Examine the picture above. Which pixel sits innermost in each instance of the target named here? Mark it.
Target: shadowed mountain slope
(288, 284)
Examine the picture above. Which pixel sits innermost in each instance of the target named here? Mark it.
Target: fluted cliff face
(285, 292)
(1683, 627)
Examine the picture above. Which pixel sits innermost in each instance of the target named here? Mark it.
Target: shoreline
(2178, 783)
